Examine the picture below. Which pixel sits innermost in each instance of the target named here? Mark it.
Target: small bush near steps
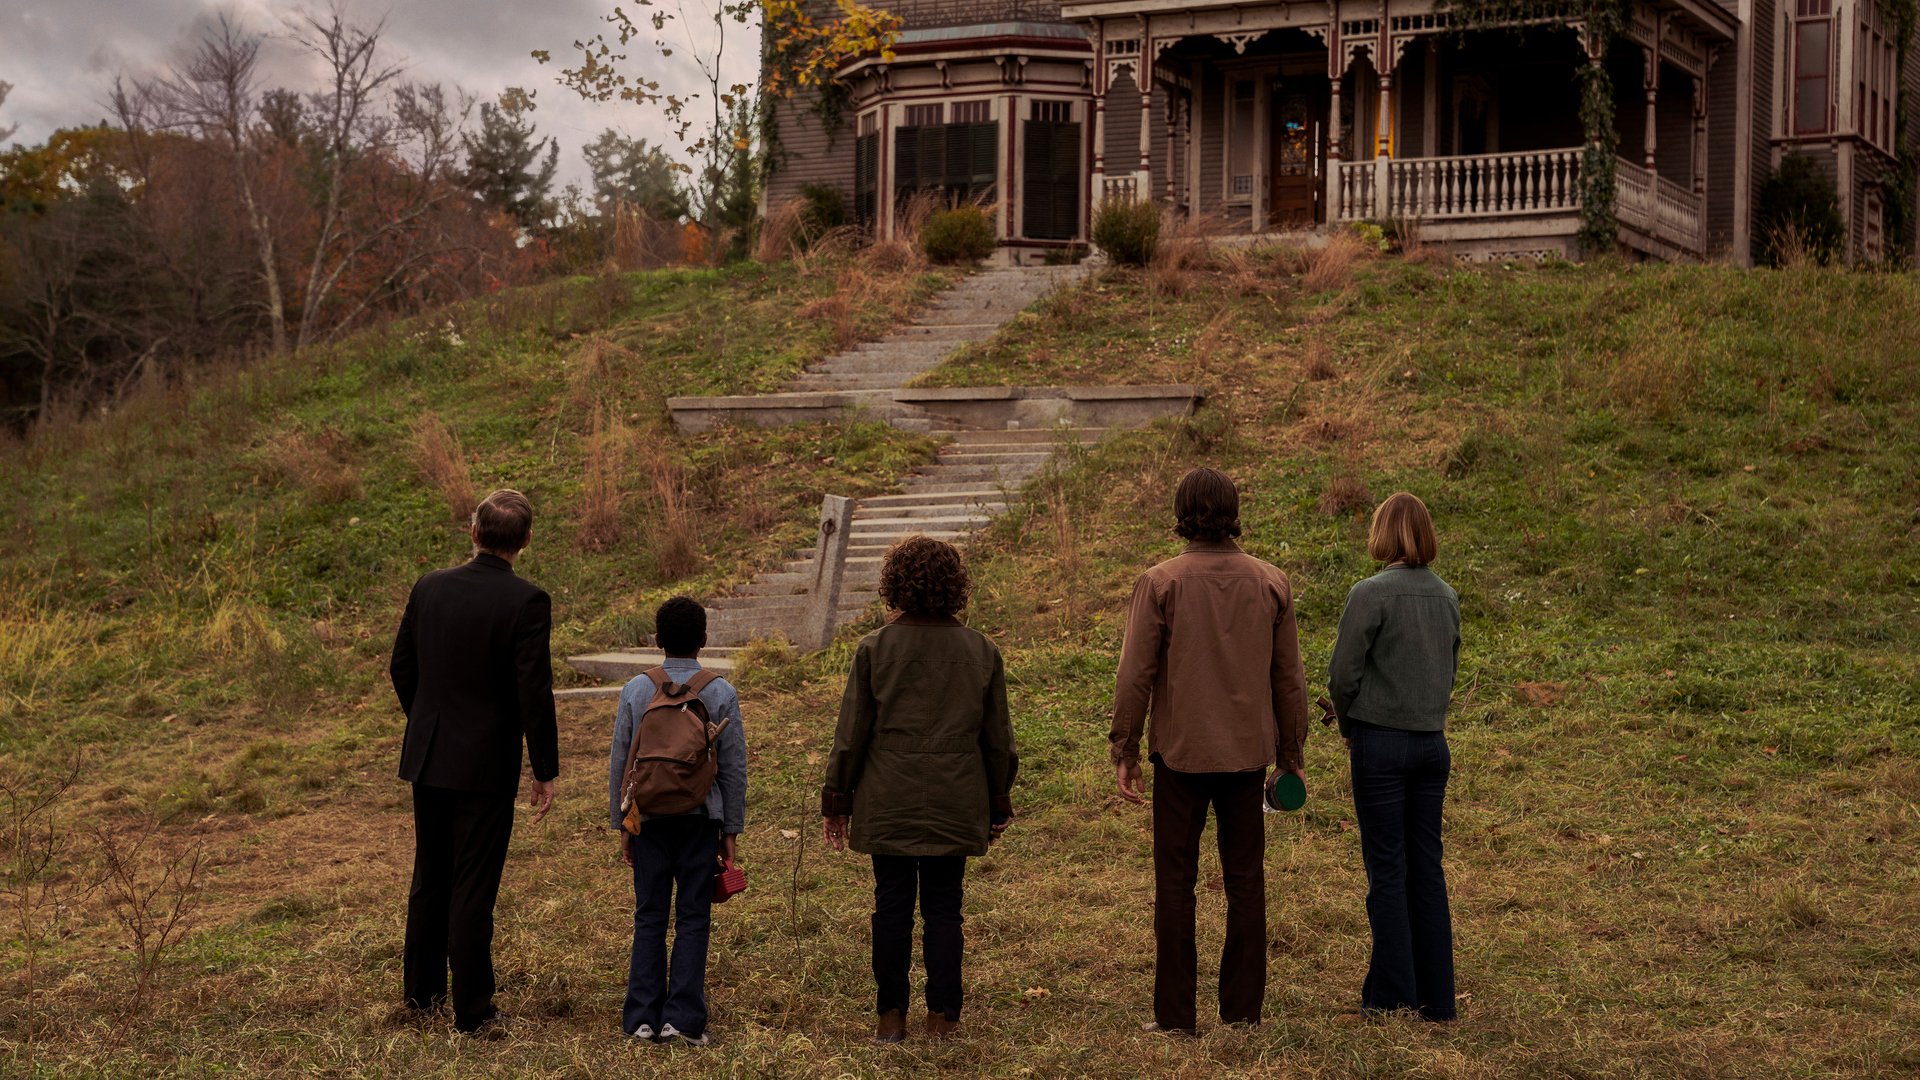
(960, 235)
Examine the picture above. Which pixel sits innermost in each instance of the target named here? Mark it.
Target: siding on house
(1766, 114)
(1723, 91)
(809, 153)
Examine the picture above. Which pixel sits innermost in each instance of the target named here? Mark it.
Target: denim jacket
(727, 802)
(1397, 651)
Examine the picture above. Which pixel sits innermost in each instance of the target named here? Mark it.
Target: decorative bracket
(1241, 39)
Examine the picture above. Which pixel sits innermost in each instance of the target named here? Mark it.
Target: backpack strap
(701, 680)
(657, 675)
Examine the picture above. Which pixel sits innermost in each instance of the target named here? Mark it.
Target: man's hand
(729, 848)
(1126, 777)
(835, 831)
(540, 799)
(994, 830)
(626, 850)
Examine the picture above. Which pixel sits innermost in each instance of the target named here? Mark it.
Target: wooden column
(1333, 153)
(1383, 149)
(1652, 83)
(1699, 136)
(1143, 72)
(1193, 123)
(1173, 128)
(829, 570)
(1099, 177)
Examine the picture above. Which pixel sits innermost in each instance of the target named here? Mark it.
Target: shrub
(823, 210)
(961, 235)
(1797, 214)
(442, 463)
(1127, 231)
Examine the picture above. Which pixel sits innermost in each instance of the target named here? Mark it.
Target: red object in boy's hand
(728, 881)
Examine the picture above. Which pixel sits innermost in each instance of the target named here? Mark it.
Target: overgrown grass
(1679, 505)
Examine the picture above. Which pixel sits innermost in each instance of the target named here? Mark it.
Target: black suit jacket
(471, 666)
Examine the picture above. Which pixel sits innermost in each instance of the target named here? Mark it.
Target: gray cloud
(62, 54)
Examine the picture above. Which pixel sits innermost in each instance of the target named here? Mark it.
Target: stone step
(940, 511)
(952, 332)
(589, 693)
(876, 381)
(622, 664)
(984, 456)
(906, 526)
(916, 499)
(869, 363)
(951, 477)
(729, 606)
(976, 436)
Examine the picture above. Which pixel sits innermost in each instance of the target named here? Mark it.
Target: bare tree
(5, 89)
(38, 885)
(215, 97)
(152, 891)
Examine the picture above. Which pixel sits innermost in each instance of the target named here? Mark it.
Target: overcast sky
(61, 54)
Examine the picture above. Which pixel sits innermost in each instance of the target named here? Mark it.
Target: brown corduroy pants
(1180, 802)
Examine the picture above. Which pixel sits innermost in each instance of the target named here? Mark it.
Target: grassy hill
(1681, 506)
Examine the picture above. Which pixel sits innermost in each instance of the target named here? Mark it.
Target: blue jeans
(1399, 784)
(671, 855)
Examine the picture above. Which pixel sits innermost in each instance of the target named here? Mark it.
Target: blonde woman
(1390, 680)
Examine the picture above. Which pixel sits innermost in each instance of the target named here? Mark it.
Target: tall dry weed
(320, 465)
(910, 217)
(671, 524)
(153, 886)
(608, 449)
(1331, 267)
(442, 463)
(781, 232)
(1183, 248)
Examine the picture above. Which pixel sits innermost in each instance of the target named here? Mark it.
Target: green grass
(1681, 507)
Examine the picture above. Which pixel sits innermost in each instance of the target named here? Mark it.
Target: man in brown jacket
(1212, 649)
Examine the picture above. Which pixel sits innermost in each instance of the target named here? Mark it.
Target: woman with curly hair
(922, 764)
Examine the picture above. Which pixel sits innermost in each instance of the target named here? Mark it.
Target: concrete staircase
(990, 447)
(966, 485)
(973, 310)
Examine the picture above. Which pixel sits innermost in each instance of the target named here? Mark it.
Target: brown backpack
(670, 764)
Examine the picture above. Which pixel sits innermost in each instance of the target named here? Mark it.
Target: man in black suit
(470, 664)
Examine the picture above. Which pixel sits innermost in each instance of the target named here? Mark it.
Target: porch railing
(1474, 185)
(1514, 185)
(1122, 187)
(1659, 207)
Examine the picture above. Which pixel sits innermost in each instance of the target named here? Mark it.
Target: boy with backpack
(677, 781)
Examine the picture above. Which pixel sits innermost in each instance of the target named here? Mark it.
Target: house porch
(1299, 115)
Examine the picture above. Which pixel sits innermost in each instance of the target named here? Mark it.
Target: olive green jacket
(923, 758)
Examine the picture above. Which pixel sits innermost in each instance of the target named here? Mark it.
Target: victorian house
(1255, 116)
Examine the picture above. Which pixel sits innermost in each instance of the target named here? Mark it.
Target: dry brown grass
(1344, 495)
(1331, 267)
(320, 464)
(672, 527)
(1185, 246)
(1317, 365)
(910, 217)
(609, 447)
(781, 231)
(442, 464)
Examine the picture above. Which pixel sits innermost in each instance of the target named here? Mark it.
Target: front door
(1299, 151)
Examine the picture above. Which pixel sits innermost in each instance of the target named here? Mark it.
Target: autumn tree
(715, 124)
(507, 168)
(632, 172)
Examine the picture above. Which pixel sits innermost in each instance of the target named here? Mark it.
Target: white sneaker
(644, 1031)
(670, 1032)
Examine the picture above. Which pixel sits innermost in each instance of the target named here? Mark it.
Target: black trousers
(460, 847)
(1399, 786)
(940, 880)
(1180, 802)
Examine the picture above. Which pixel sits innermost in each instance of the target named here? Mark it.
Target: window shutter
(906, 161)
(1052, 181)
(866, 179)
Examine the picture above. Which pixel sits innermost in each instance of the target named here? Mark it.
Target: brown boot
(939, 1027)
(891, 1028)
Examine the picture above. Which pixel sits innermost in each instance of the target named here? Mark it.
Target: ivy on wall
(1603, 20)
(1904, 187)
(799, 53)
